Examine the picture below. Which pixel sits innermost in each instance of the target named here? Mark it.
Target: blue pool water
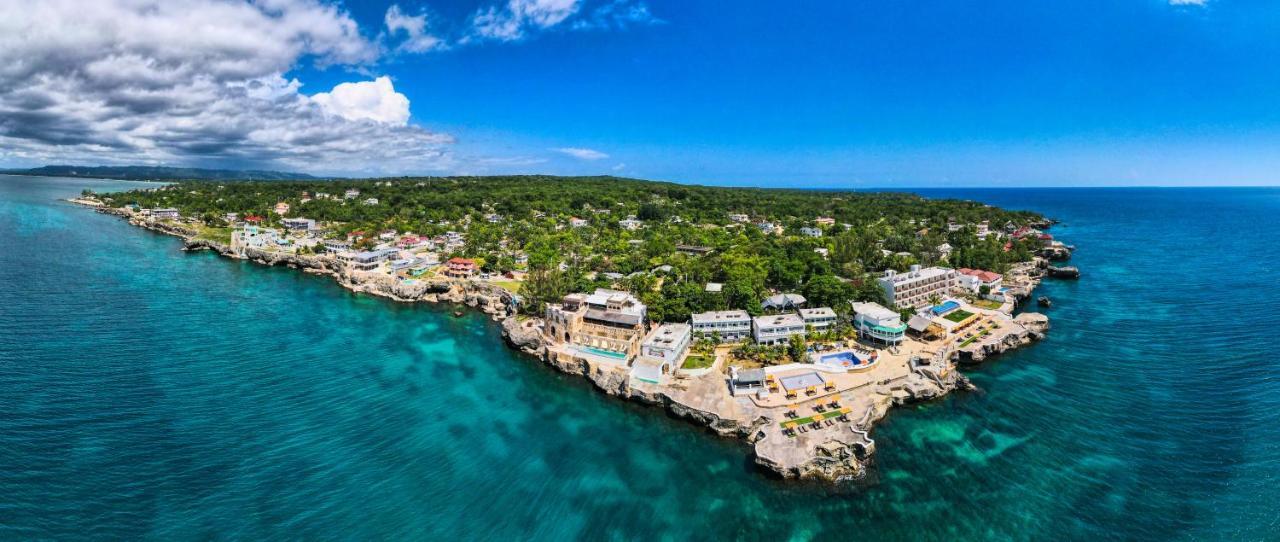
(147, 393)
(842, 359)
(601, 352)
(945, 308)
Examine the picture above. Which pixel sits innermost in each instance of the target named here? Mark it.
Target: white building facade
(778, 328)
(668, 343)
(915, 287)
(731, 325)
(878, 324)
(818, 319)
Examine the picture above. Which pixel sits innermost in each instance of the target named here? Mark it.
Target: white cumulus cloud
(375, 100)
(181, 81)
(414, 27)
(581, 153)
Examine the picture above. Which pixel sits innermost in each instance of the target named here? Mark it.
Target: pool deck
(839, 446)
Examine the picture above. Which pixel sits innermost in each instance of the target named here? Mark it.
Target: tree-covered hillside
(507, 216)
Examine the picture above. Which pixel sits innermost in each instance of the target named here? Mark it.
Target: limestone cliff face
(171, 229)
(525, 336)
(846, 453)
(1037, 324)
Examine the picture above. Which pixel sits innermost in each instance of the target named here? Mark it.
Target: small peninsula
(792, 319)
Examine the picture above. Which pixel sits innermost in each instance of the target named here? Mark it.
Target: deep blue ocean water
(147, 393)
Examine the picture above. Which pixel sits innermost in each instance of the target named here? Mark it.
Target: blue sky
(858, 93)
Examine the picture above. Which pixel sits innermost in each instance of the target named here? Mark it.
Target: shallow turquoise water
(149, 393)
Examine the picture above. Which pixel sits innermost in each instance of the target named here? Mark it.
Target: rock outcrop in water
(1067, 272)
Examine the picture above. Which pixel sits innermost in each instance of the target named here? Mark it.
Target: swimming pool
(945, 308)
(620, 356)
(847, 359)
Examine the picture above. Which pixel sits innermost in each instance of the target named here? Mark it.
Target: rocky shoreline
(833, 457)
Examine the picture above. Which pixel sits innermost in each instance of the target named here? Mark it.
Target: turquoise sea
(147, 393)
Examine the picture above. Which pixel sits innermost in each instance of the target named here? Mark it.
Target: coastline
(834, 453)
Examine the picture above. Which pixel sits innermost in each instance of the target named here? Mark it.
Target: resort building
(282, 208)
(255, 237)
(303, 224)
(575, 222)
(746, 382)
(810, 232)
(336, 245)
(669, 343)
(231, 218)
(606, 323)
(412, 241)
(739, 218)
(818, 319)
(454, 240)
(778, 328)
(973, 280)
(769, 228)
(460, 268)
(661, 353)
(167, 213)
(368, 260)
(915, 287)
(371, 201)
(825, 221)
(731, 325)
(878, 324)
(630, 224)
(984, 229)
(351, 194)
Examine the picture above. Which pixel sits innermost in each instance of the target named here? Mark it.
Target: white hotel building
(820, 319)
(731, 325)
(778, 328)
(915, 287)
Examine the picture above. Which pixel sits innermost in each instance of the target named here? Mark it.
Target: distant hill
(160, 173)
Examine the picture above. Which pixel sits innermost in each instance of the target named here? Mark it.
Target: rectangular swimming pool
(620, 356)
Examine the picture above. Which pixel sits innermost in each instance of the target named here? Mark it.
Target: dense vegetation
(530, 213)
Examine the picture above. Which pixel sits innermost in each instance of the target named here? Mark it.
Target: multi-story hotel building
(608, 323)
(819, 319)
(878, 323)
(916, 286)
(731, 325)
(778, 328)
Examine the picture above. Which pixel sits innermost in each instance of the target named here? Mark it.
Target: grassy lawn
(958, 315)
(987, 304)
(970, 340)
(512, 286)
(220, 235)
(698, 361)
